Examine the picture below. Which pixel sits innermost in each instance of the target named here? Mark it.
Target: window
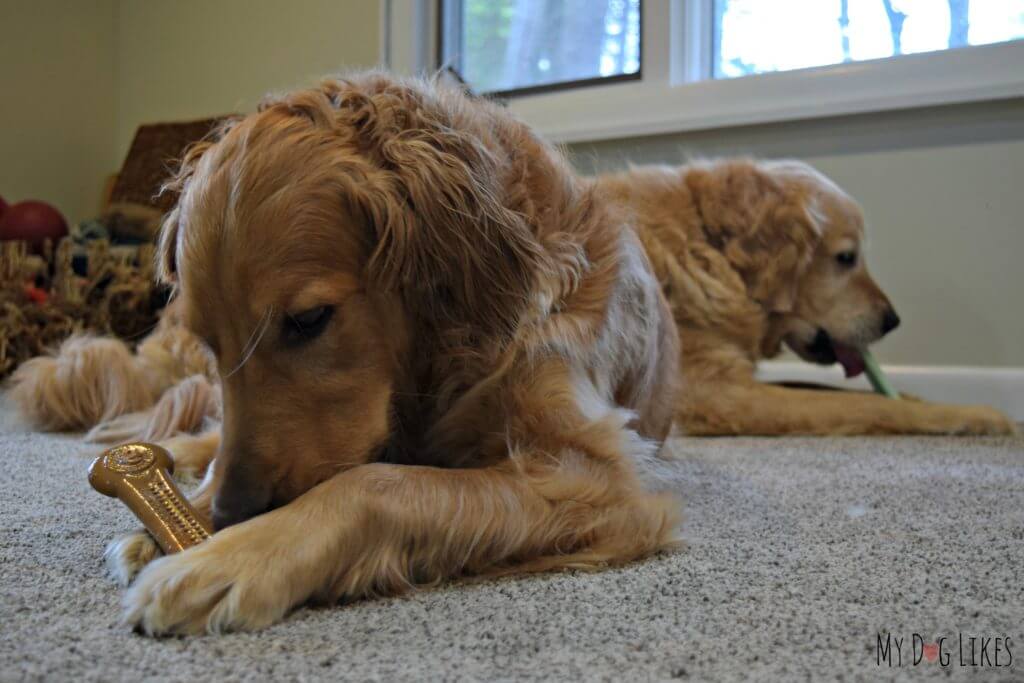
(584, 70)
(521, 46)
(759, 36)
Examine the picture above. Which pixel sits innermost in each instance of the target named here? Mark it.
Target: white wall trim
(409, 48)
(384, 38)
(1002, 388)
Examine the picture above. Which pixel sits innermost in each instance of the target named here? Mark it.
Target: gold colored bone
(139, 475)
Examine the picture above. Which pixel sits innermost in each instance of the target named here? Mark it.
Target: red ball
(33, 222)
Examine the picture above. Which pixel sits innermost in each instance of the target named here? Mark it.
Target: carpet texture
(800, 552)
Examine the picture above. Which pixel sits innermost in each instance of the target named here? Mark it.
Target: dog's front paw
(211, 588)
(127, 555)
(983, 420)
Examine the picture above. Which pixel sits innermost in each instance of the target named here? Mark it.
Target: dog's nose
(890, 321)
(237, 500)
(232, 509)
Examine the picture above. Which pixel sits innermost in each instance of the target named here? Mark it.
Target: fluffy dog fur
(754, 254)
(439, 353)
(410, 336)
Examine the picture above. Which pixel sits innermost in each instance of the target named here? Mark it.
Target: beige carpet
(801, 551)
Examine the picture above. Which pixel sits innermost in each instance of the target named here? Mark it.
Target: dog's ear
(167, 240)
(166, 249)
(792, 234)
(767, 230)
(443, 233)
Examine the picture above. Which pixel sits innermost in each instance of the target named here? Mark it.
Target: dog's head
(833, 308)
(310, 243)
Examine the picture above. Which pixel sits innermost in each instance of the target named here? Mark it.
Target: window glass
(510, 45)
(758, 36)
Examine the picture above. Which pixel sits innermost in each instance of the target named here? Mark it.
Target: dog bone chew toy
(139, 474)
(874, 372)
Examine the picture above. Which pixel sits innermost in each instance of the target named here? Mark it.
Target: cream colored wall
(57, 101)
(189, 59)
(79, 76)
(943, 190)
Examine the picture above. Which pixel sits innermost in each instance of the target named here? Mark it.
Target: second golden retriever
(752, 255)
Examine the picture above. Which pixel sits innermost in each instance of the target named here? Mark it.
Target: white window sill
(989, 72)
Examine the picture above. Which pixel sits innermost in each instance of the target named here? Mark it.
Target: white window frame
(670, 98)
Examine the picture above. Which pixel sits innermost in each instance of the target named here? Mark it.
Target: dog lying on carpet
(439, 353)
(755, 254)
(750, 255)
(448, 355)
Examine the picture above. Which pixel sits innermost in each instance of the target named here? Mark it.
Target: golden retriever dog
(752, 255)
(438, 353)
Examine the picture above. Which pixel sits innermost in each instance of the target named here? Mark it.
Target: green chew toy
(875, 376)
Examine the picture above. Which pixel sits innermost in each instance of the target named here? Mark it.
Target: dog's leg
(128, 554)
(380, 528)
(193, 453)
(761, 409)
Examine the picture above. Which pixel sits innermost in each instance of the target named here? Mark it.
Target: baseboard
(1002, 388)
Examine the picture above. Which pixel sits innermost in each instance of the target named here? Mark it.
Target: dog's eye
(847, 258)
(306, 325)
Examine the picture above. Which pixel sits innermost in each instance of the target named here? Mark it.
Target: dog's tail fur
(97, 383)
(188, 406)
(89, 380)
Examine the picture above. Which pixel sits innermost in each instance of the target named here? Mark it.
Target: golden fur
(746, 255)
(94, 382)
(498, 366)
(439, 353)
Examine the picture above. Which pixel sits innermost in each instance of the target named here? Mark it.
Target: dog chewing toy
(874, 373)
(139, 474)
